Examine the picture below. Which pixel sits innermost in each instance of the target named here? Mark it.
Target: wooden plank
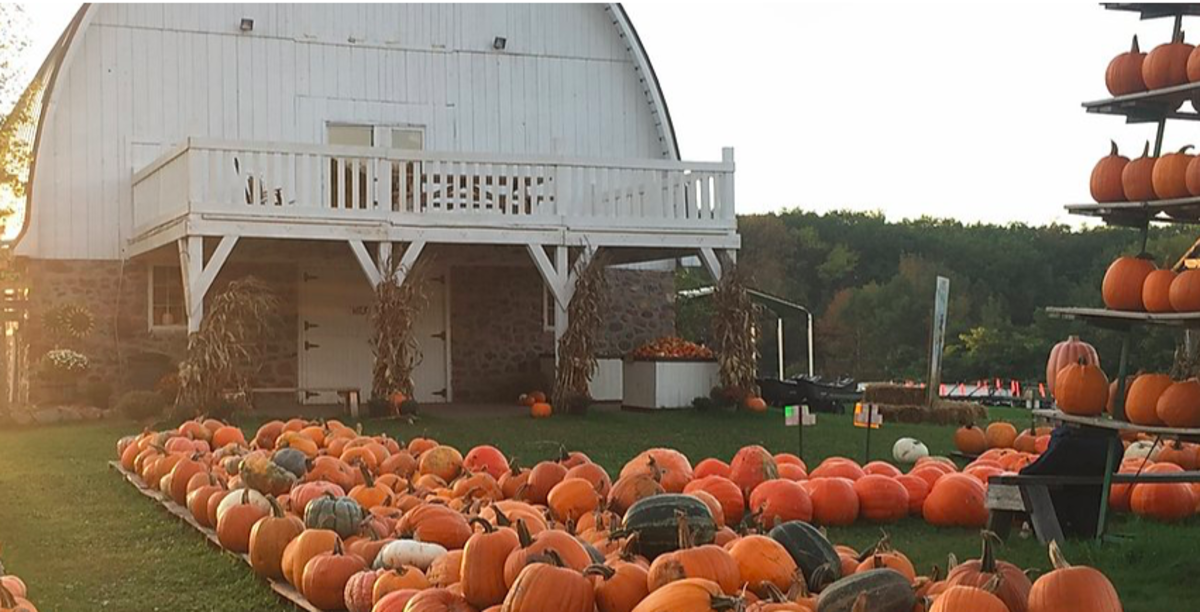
(282, 588)
(1106, 423)
(1004, 497)
(1042, 515)
(1121, 478)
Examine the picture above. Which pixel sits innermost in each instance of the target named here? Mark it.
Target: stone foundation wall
(122, 348)
(499, 337)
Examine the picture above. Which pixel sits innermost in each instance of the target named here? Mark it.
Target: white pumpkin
(409, 552)
(1140, 450)
(908, 450)
(236, 498)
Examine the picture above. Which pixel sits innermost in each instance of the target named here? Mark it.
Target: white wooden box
(606, 384)
(655, 385)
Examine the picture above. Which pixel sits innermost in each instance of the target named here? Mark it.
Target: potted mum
(61, 370)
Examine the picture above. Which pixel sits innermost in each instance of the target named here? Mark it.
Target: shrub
(378, 407)
(575, 403)
(97, 393)
(704, 404)
(141, 404)
(411, 407)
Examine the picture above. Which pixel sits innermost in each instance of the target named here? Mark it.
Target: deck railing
(280, 180)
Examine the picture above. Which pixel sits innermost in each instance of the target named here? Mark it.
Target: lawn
(84, 539)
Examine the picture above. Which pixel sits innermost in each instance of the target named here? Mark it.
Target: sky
(965, 110)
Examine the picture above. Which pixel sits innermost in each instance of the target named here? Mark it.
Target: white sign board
(792, 416)
(941, 303)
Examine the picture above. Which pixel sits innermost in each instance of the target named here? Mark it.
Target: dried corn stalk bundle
(393, 316)
(577, 348)
(733, 333)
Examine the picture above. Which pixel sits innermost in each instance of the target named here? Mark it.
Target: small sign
(792, 416)
(860, 416)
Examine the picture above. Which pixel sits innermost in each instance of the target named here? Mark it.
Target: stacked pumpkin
(366, 523)
(13, 593)
(539, 407)
(1136, 284)
(1167, 502)
(973, 441)
(1116, 178)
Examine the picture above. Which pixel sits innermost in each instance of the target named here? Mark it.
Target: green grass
(84, 539)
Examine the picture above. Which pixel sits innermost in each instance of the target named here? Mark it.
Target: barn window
(408, 138)
(166, 298)
(549, 309)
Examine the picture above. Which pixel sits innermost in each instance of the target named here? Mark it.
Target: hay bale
(893, 394)
(943, 413)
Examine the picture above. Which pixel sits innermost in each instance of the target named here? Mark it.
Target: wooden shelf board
(1124, 319)
(1150, 106)
(1189, 433)
(1136, 214)
(1154, 10)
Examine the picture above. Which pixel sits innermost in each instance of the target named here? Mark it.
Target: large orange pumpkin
(779, 501)
(834, 501)
(1184, 293)
(1141, 400)
(1106, 177)
(1156, 291)
(751, 466)
(917, 489)
(1166, 65)
(483, 560)
(1013, 587)
(763, 560)
(1072, 588)
(619, 587)
(1179, 405)
(1001, 435)
(326, 575)
(728, 494)
(269, 537)
(1122, 286)
(1165, 501)
(971, 440)
(956, 500)
(1137, 179)
(1124, 74)
(1170, 174)
(1081, 389)
(881, 499)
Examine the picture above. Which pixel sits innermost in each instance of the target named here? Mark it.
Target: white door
(335, 337)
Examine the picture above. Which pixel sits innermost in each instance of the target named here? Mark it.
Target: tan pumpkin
(1065, 353)
(1123, 281)
(1137, 179)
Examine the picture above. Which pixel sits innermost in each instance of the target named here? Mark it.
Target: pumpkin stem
(501, 517)
(599, 569)
(993, 584)
(7, 600)
(951, 563)
(1056, 556)
(987, 561)
(337, 546)
(1184, 150)
(720, 602)
(1113, 151)
(1134, 48)
(367, 477)
(487, 527)
(276, 509)
(773, 593)
(1146, 150)
(523, 534)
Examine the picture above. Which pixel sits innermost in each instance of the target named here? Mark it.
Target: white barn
(184, 145)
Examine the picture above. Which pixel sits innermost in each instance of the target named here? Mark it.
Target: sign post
(798, 417)
(941, 303)
(865, 415)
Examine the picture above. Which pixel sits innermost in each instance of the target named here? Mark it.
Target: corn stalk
(393, 316)
(227, 351)
(733, 333)
(577, 348)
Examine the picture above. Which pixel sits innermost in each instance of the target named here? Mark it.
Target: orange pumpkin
(1013, 587)
(302, 548)
(1170, 174)
(1063, 354)
(406, 578)
(1179, 405)
(571, 498)
(710, 562)
(1156, 291)
(1137, 179)
(970, 440)
(751, 466)
(269, 537)
(1166, 65)
(763, 560)
(540, 410)
(917, 490)
(711, 467)
(1001, 435)
(1184, 293)
(1122, 286)
(881, 499)
(1124, 73)
(1072, 588)
(483, 564)
(728, 494)
(326, 575)
(1106, 177)
(967, 599)
(1141, 400)
(236, 523)
(838, 467)
(756, 404)
(1081, 389)
(779, 501)
(956, 500)
(618, 588)
(834, 501)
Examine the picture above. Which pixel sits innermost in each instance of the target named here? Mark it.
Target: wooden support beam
(198, 276)
(364, 261)
(711, 263)
(555, 281)
(409, 259)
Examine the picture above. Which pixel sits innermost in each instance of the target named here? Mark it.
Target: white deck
(283, 190)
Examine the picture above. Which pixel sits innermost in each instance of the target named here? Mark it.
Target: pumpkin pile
(670, 347)
(368, 524)
(539, 407)
(13, 593)
(1166, 502)
(973, 441)
(1136, 284)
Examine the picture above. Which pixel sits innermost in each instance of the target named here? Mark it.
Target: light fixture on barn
(499, 43)
(247, 25)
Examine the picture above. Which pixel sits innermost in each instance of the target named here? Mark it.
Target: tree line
(870, 283)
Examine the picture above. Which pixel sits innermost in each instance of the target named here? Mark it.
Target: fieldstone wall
(122, 349)
(499, 337)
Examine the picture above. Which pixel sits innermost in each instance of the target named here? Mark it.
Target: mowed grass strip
(85, 539)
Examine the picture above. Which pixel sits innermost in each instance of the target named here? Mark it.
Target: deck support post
(198, 276)
(560, 279)
(377, 268)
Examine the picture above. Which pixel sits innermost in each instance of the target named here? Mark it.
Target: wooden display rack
(1155, 106)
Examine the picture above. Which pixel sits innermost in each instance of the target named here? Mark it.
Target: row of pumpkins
(13, 594)
(1167, 65)
(1081, 388)
(367, 524)
(1116, 178)
(1135, 283)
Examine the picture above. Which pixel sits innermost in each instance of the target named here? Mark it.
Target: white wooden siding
(145, 77)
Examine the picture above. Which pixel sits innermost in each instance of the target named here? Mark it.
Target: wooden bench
(1011, 497)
